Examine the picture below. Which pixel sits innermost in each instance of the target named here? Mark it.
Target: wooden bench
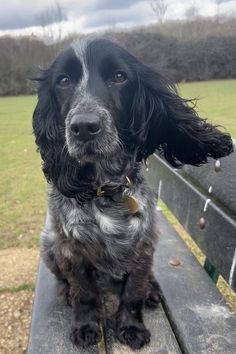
(193, 317)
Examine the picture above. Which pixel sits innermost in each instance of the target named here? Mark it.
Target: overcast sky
(25, 16)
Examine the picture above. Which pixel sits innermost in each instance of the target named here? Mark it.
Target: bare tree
(53, 15)
(160, 8)
(218, 10)
(192, 12)
(59, 12)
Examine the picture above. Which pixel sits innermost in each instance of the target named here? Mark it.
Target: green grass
(216, 101)
(22, 186)
(13, 290)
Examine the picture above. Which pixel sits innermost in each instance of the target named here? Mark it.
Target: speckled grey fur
(105, 231)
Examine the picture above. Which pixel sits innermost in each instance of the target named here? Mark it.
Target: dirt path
(18, 271)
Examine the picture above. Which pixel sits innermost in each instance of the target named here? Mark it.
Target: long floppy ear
(48, 127)
(48, 130)
(172, 125)
(46, 115)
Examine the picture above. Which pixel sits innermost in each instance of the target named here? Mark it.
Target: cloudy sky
(27, 16)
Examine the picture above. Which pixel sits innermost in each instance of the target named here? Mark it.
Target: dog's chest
(106, 232)
(99, 219)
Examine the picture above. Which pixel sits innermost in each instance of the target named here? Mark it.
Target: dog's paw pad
(85, 335)
(133, 336)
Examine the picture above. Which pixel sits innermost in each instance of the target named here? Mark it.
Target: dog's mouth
(104, 145)
(89, 151)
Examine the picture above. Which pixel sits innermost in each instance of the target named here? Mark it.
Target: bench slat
(201, 319)
(199, 316)
(162, 337)
(51, 320)
(50, 326)
(217, 240)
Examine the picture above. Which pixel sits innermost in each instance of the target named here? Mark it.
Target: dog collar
(118, 193)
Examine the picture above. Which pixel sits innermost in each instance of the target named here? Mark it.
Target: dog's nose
(85, 126)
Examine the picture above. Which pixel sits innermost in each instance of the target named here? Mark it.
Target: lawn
(22, 187)
(216, 101)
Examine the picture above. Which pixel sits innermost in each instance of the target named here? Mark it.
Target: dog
(100, 114)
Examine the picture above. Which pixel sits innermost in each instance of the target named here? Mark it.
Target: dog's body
(104, 230)
(100, 114)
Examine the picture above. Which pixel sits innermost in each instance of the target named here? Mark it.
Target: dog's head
(97, 101)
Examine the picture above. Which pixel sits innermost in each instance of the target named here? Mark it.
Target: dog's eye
(63, 81)
(119, 77)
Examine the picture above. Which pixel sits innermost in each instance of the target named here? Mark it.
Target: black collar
(115, 191)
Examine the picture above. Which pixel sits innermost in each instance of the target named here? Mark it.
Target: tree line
(190, 51)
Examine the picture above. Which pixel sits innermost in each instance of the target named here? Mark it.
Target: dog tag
(132, 204)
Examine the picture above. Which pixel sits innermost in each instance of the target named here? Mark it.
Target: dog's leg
(86, 310)
(64, 291)
(49, 256)
(130, 328)
(154, 294)
(78, 280)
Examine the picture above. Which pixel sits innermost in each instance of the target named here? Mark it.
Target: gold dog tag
(132, 204)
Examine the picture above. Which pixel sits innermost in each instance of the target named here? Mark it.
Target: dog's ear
(171, 124)
(45, 116)
(48, 127)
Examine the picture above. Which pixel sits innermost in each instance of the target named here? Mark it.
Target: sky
(20, 17)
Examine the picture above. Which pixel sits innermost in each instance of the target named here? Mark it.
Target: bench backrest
(203, 199)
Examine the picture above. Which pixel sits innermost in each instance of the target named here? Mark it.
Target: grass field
(216, 101)
(22, 197)
(22, 187)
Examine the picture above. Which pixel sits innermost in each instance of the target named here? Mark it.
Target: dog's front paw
(136, 336)
(85, 334)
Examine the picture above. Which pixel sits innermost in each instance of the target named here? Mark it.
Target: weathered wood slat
(51, 320)
(51, 324)
(218, 239)
(163, 340)
(200, 317)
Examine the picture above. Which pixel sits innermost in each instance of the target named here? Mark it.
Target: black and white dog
(100, 114)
